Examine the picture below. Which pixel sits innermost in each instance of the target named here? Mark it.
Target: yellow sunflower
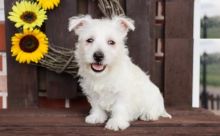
(48, 4)
(27, 14)
(29, 46)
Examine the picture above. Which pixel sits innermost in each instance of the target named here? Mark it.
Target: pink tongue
(97, 67)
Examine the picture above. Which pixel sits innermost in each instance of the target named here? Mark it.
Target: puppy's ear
(76, 23)
(124, 23)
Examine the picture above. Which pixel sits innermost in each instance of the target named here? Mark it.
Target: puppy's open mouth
(97, 67)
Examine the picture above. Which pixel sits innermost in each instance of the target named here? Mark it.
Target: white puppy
(111, 82)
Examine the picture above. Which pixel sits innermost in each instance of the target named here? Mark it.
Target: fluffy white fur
(122, 90)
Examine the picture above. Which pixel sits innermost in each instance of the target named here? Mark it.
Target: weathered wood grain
(142, 41)
(179, 18)
(139, 41)
(82, 7)
(178, 53)
(61, 85)
(93, 9)
(70, 122)
(178, 72)
(22, 79)
(158, 77)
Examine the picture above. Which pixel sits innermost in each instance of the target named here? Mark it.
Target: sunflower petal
(48, 4)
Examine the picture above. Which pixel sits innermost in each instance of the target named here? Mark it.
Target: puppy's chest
(106, 100)
(104, 95)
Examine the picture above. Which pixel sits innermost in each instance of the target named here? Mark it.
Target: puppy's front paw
(95, 118)
(117, 124)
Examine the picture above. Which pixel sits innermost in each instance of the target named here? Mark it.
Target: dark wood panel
(71, 123)
(139, 41)
(158, 77)
(142, 41)
(178, 52)
(44, 102)
(83, 7)
(179, 18)
(178, 72)
(93, 9)
(61, 85)
(100, 131)
(42, 78)
(22, 79)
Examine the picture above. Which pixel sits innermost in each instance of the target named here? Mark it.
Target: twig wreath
(31, 46)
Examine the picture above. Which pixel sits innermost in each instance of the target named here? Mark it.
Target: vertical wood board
(178, 52)
(61, 85)
(22, 78)
(139, 41)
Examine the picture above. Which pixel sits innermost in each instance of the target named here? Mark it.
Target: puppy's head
(100, 42)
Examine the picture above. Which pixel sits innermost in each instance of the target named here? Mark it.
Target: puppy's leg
(119, 119)
(149, 117)
(97, 115)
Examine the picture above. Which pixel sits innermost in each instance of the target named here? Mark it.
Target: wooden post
(178, 53)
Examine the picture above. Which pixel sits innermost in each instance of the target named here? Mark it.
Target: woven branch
(110, 8)
(61, 60)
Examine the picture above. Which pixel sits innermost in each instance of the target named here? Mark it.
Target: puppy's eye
(111, 42)
(90, 40)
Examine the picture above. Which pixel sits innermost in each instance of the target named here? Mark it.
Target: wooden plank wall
(178, 52)
(173, 74)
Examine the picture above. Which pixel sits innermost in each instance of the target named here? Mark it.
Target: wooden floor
(70, 122)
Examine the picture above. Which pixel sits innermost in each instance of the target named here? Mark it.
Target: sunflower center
(28, 16)
(29, 43)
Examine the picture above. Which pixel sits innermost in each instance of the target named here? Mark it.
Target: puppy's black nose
(98, 56)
